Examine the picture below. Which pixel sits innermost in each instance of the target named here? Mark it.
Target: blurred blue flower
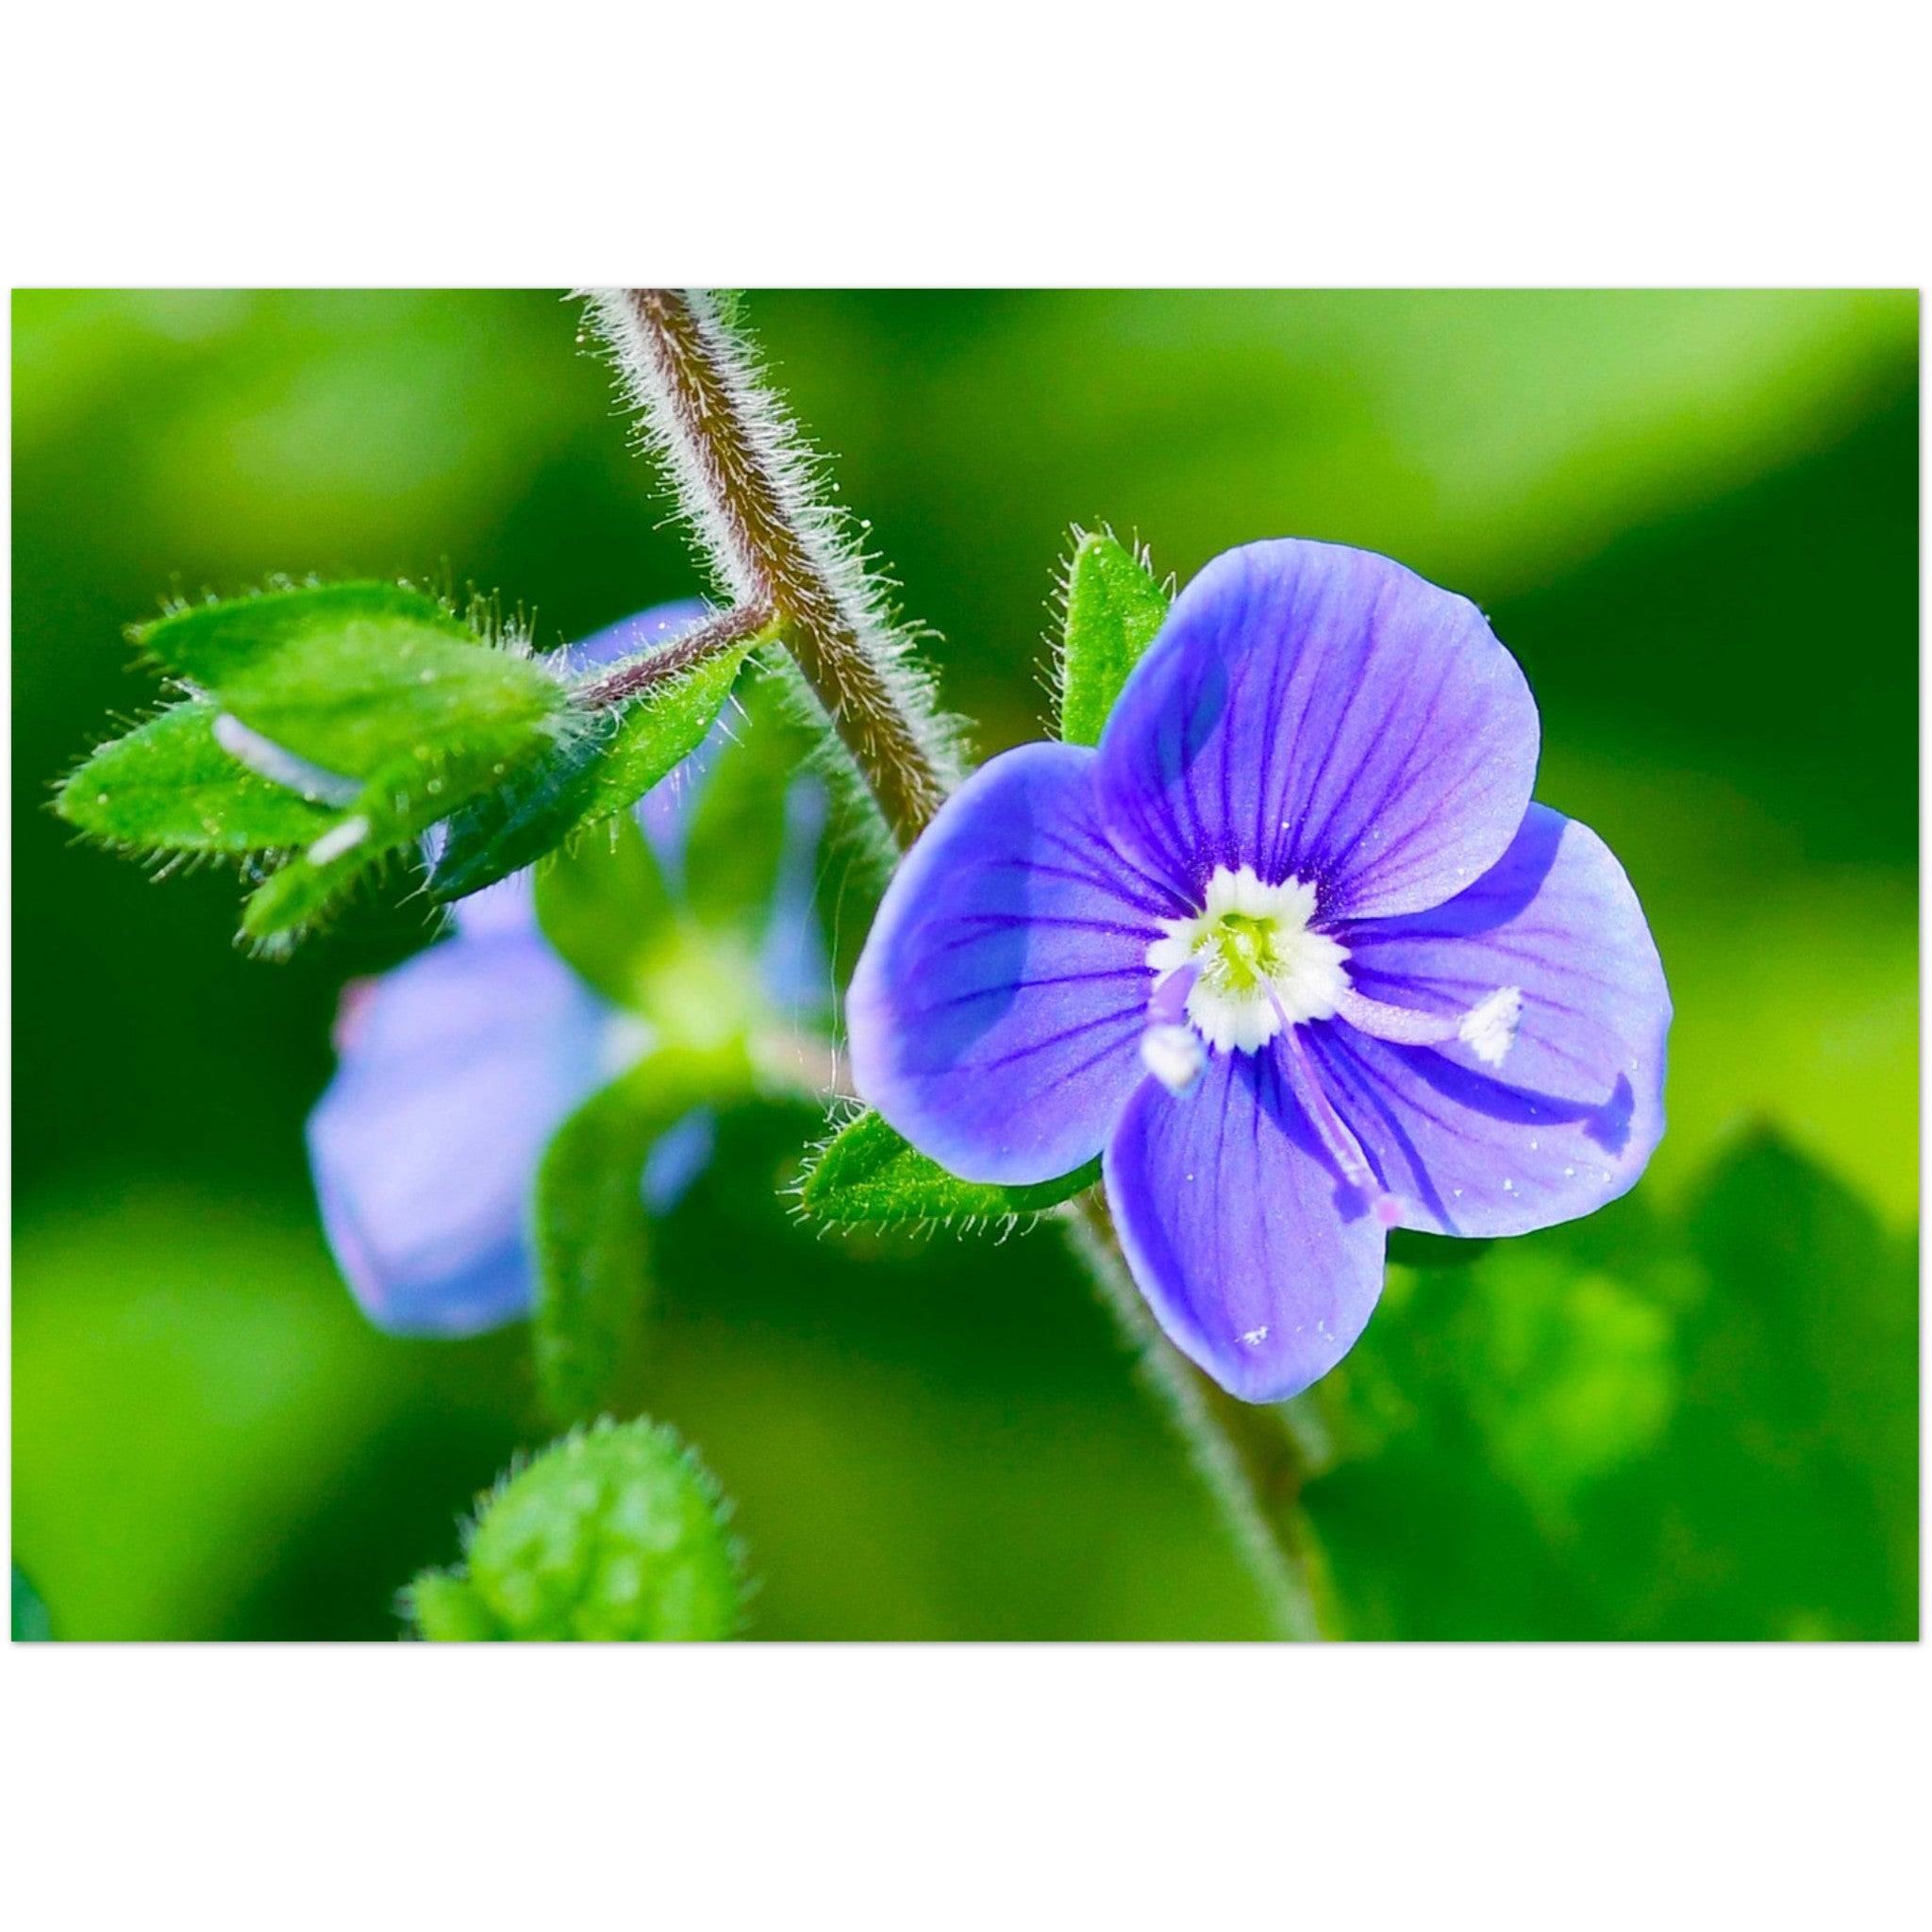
(1268, 947)
(455, 1069)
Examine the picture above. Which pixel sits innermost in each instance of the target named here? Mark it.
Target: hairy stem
(635, 675)
(1250, 1463)
(749, 487)
(747, 484)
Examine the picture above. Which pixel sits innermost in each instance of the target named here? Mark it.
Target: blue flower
(456, 1069)
(1291, 947)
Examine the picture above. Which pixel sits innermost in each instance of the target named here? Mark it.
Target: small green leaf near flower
(868, 1175)
(1114, 608)
(355, 676)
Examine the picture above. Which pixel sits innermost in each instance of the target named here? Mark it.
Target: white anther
(1490, 1030)
(1174, 1055)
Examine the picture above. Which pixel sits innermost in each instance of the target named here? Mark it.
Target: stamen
(1343, 1148)
(1487, 1029)
(1171, 1050)
(1174, 1055)
(1168, 1005)
(1403, 1025)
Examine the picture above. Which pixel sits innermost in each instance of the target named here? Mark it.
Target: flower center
(1257, 965)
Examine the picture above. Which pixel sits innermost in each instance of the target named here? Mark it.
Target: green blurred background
(1693, 516)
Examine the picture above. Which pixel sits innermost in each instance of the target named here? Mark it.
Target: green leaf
(603, 905)
(215, 643)
(356, 676)
(656, 732)
(592, 1231)
(1114, 608)
(169, 786)
(31, 1622)
(1812, 1331)
(531, 813)
(617, 1534)
(393, 812)
(604, 764)
(869, 1176)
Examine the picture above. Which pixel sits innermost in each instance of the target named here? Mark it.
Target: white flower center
(1259, 967)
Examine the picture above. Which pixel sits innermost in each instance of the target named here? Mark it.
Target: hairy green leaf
(356, 676)
(390, 816)
(592, 1232)
(618, 1534)
(447, 1609)
(167, 787)
(656, 732)
(869, 1175)
(605, 762)
(531, 813)
(214, 644)
(1114, 608)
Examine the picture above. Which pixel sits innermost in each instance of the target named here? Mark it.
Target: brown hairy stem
(636, 675)
(776, 559)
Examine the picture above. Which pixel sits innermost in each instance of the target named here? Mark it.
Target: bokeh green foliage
(1694, 519)
(1658, 1426)
(30, 1621)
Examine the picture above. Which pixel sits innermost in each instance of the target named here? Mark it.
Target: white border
(917, 1786)
(1022, 143)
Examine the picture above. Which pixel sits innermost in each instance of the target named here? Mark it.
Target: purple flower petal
(508, 905)
(996, 1012)
(1323, 714)
(454, 1071)
(1569, 1120)
(1258, 1261)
